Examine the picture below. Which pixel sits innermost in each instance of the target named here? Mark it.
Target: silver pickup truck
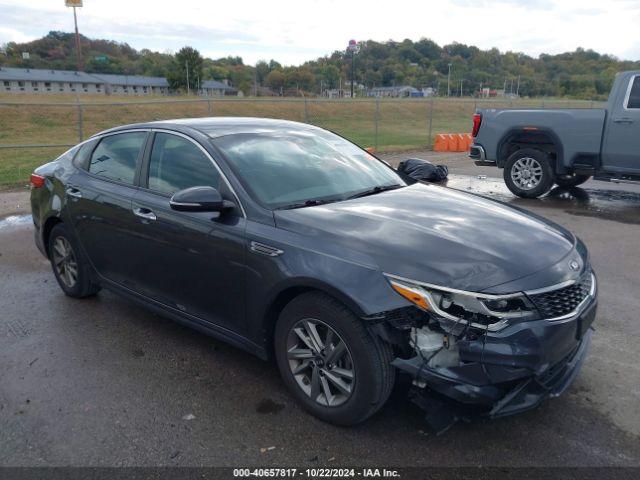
(540, 148)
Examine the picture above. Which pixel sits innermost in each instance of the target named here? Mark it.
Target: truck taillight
(477, 121)
(36, 181)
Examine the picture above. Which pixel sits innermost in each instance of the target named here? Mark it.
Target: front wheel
(571, 180)
(528, 173)
(330, 362)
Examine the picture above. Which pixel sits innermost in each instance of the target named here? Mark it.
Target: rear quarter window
(634, 94)
(83, 154)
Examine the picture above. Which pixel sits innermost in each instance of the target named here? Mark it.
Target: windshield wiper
(374, 190)
(308, 203)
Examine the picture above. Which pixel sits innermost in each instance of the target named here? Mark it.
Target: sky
(292, 32)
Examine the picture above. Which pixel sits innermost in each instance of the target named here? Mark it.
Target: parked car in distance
(537, 148)
(292, 243)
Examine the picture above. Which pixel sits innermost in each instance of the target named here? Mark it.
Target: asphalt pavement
(104, 382)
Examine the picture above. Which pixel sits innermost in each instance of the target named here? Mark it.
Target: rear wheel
(330, 362)
(70, 268)
(571, 180)
(528, 173)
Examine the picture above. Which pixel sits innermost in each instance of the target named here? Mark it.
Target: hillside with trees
(580, 74)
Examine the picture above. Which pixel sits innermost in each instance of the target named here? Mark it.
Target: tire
(532, 162)
(70, 267)
(366, 356)
(571, 180)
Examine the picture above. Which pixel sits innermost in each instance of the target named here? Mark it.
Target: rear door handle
(74, 192)
(144, 213)
(622, 120)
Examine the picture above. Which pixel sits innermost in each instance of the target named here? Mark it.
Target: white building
(133, 84)
(399, 91)
(213, 88)
(32, 80)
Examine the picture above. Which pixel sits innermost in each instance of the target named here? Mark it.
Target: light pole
(449, 82)
(353, 49)
(186, 66)
(74, 4)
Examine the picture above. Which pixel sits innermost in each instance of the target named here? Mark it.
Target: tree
(330, 76)
(187, 58)
(275, 80)
(262, 70)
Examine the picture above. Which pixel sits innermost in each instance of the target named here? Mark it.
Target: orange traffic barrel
(442, 143)
(453, 142)
(469, 141)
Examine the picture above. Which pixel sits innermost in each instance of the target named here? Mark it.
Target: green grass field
(401, 123)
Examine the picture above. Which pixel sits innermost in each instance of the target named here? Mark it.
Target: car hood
(434, 235)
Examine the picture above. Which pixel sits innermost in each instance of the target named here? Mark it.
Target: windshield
(300, 168)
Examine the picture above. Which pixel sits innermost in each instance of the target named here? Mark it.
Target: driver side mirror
(199, 199)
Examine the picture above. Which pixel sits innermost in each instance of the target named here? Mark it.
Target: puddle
(606, 203)
(15, 221)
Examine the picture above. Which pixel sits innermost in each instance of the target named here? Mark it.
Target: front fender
(360, 286)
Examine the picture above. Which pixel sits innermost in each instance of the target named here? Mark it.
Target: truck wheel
(330, 362)
(571, 180)
(528, 173)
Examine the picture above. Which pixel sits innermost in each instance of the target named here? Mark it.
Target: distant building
(399, 91)
(33, 80)
(133, 84)
(336, 93)
(214, 88)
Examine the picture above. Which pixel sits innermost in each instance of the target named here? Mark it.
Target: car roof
(215, 127)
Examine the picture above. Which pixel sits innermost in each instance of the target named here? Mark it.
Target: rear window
(116, 156)
(634, 95)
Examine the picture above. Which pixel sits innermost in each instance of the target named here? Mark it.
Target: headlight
(488, 312)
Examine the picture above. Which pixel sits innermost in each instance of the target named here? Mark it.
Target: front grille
(562, 301)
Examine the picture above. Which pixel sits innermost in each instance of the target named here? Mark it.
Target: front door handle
(623, 120)
(144, 213)
(74, 192)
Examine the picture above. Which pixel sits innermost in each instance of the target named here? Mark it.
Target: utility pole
(352, 48)
(74, 4)
(449, 82)
(518, 88)
(461, 80)
(186, 64)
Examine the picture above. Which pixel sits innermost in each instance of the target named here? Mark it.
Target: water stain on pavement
(15, 221)
(608, 204)
(266, 405)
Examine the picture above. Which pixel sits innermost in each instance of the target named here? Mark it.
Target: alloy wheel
(526, 173)
(320, 362)
(64, 261)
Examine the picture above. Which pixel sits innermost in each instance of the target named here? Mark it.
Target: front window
(298, 168)
(177, 163)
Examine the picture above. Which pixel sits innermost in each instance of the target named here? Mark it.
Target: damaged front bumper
(503, 373)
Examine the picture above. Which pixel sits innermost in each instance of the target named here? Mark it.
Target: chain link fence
(34, 133)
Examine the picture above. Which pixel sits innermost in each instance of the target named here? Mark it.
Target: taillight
(36, 181)
(477, 121)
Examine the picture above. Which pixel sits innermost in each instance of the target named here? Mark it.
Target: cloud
(291, 31)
